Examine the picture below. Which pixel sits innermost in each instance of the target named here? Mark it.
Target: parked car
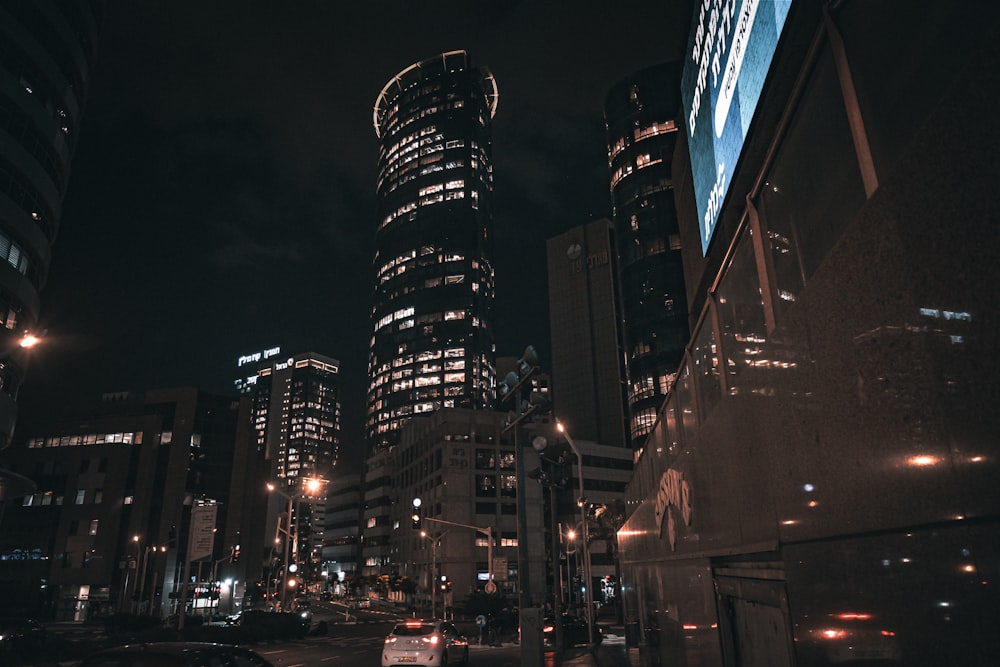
(18, 633)
(425, 642)
(288, 624)
(175, 654)
(574, 631)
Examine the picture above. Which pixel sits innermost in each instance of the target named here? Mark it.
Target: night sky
(222, 195)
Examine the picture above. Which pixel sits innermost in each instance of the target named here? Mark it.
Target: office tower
(45, 58)
(297, 419)
(640, 113)
(587, 363)
(107, 528)
(433, 294)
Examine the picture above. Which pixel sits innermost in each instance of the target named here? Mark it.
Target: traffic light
(416, 515)
(234, 555)
(445, 584)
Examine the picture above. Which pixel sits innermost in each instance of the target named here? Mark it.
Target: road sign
(500, 569)
(490, 589)
(481, 620)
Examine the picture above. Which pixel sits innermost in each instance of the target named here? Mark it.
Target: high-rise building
(45, 59)
(296, 413)
(640, 113)
(433, 297)
(587, 364)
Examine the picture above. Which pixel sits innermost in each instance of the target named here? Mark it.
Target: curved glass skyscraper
(46, 51)
(433, 298)
(640, 113)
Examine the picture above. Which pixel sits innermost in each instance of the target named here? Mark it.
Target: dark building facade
(640, 113)
(341, 535)
(433, 294)
(820, 487)
(46, 52)
(584, 321)
(109, 524)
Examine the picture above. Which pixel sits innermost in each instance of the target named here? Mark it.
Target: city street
(354, 638)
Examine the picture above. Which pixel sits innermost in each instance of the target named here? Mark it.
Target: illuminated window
(93, 526)
(654, 129)
(616, 148)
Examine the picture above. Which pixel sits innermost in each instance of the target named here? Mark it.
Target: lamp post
(273, 488)
(128, 567)
(582, 502)
(435, 540)
(310, 486)
(570, 551)
(530, 619)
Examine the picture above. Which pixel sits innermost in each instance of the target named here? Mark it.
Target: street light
(311, 486)
(29, 340)
(273, 488)
(435, 540)
(512, 388)
(582, 503)
(125, 593)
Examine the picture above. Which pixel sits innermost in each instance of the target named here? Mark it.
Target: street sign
(202, 533)
(481, 620)
(500, 569)
(490, 589)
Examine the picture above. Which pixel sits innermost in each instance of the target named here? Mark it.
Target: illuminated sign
(257, 356)
(729, 53)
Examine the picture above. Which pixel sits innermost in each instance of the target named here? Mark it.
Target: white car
(430, 643)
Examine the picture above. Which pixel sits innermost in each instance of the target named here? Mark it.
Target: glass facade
(45, 57)
(433, 294)
(641, 113)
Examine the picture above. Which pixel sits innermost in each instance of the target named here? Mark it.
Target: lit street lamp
(435, 540)
(582, 502)
(310, 486)
(273, 488)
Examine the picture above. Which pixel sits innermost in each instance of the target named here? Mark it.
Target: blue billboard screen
(729, 53)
